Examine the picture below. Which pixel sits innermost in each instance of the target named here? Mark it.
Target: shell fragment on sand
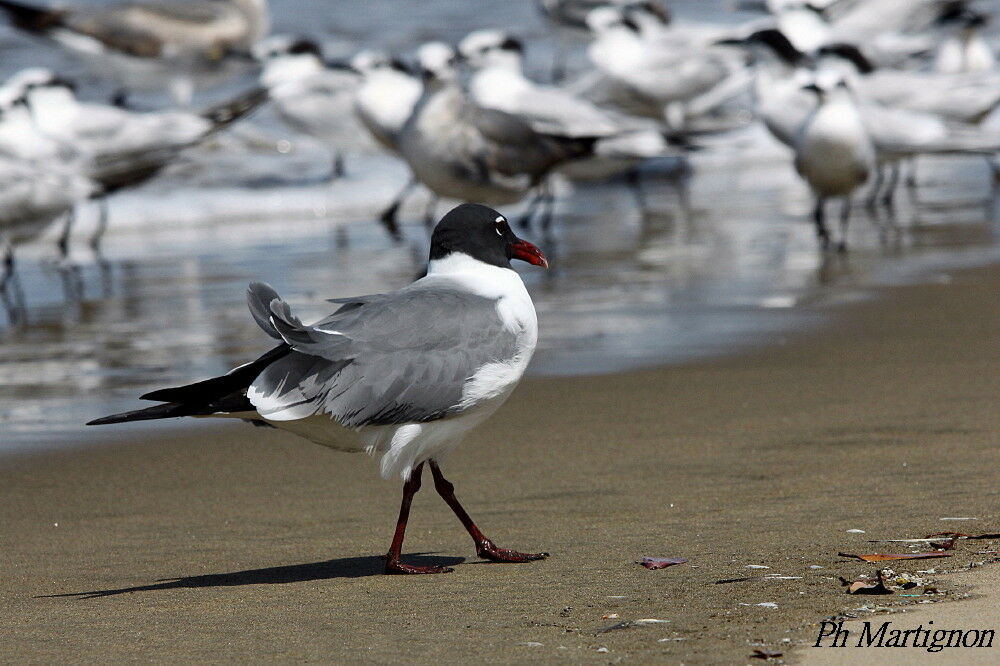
(660, 562)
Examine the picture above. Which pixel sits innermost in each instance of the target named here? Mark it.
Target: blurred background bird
(209, 127)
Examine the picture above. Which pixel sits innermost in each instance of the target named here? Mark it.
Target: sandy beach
(225, 543)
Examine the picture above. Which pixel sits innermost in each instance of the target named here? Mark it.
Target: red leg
(484, 547)
(392, 563)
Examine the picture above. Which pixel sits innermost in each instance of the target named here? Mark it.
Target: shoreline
(253, 543)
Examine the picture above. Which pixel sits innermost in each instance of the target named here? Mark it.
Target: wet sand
(222, 543)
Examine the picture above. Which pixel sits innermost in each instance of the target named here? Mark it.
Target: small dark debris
(866, 586)
(765, 654)
(614, 627)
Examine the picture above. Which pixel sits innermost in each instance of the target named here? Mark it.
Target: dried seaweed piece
(866, 586)
(883, 557)
(660, 562)
(945, 545)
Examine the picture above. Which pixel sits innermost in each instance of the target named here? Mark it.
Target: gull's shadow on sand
(347, 567)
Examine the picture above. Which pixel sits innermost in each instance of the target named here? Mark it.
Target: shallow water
(723, 259)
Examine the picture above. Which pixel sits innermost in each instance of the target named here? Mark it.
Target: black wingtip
(32, 19)
(110, 420)
(229, 112)
(164, 411)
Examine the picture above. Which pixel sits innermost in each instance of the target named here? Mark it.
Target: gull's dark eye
(500, 226)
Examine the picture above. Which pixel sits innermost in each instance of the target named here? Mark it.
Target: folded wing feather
(383, 359)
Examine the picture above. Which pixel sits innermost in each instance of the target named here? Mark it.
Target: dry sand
(229, 543)
(980, 611)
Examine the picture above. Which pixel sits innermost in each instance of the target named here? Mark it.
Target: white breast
(834, 153)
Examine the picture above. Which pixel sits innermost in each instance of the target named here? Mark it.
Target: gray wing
(555, 111)
(511, 147)
(379, 360)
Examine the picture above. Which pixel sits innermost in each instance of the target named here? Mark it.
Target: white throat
(477, 277)
(502, 284)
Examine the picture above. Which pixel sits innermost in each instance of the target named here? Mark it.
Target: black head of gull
(437, 61)
(605, 18)
(484, 47)
(850, 53)
(648, 10)
(59, 82)
(305, 46)
(483, 234)
(778, 44)
(959, 14)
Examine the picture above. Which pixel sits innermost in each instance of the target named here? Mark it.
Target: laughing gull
(116, 147)
(464, 151)
(897, 132)
(656, 79)
(572, 15)
(892, 30)
(403, 375)
(498, 82)
(148, 42)
(311, 94)
(833, 154)
(383, 103)
(32, 196)
(967, 97)
(965, 51)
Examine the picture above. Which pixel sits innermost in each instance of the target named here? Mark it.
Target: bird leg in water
(529, 213)
(10, 285)
(994, 165)
(872, 202)
(845, 218)
(911, 177)
(633, 179)
(549, 208)
(819, 217)
(6, 263)
(67, 229)
(337, 168)
(484, 547)
(392, 563)
(388, 216)
(889, 194)
(102, 224)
